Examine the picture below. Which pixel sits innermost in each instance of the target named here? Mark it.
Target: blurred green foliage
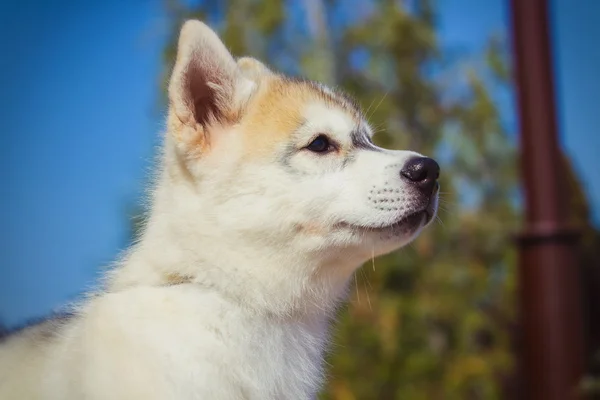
(434, 320)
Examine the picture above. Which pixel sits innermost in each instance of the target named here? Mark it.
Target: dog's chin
(400, 230)
(407, 226)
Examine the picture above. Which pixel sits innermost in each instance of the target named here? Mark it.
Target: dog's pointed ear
(206, 87)
(252, 68)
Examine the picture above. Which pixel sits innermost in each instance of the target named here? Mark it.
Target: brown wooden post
(550, 313)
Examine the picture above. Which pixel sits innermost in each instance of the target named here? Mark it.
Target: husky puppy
(269, 195)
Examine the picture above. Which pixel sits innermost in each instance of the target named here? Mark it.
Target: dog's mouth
(407, 224)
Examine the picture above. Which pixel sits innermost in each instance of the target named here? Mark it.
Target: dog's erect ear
(207, 86)
(253, 69)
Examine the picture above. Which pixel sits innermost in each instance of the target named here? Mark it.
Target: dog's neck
(179, 246)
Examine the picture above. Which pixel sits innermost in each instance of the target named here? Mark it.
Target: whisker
(364, 274)
(438, 219)
(379, 127)
(373, 256)
(446, 201)
(378, 104)
(356, 286)
(370, 105)
(442, 201)
(367, 289)
(444, 209)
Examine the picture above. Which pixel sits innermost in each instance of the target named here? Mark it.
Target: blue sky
(79, 116)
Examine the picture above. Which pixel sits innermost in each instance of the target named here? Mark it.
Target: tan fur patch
(311, 229)
(177, 279)
(275, 112)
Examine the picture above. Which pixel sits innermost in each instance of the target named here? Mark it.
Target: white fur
(264, 250)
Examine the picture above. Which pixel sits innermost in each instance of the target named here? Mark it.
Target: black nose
(422, 172)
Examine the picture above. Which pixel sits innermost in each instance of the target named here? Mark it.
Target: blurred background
(82, 107)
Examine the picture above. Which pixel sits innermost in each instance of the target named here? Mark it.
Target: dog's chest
(201, 345)
(287, 359)
(266, 357)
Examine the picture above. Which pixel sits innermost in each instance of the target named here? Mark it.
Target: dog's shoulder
(37, 329)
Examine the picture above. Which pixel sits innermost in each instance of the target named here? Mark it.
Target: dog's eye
(320, 144)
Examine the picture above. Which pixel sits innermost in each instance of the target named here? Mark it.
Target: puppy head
(285, 164)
